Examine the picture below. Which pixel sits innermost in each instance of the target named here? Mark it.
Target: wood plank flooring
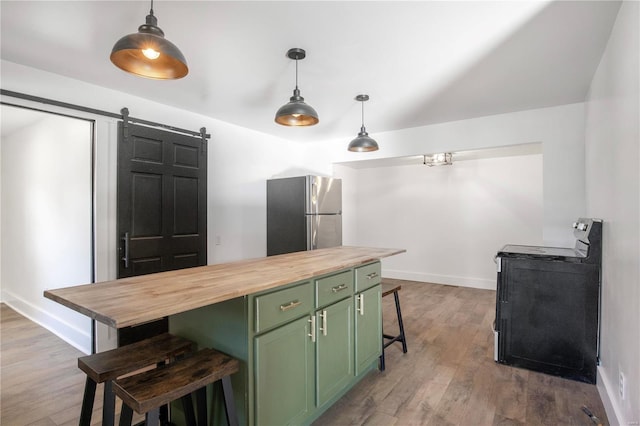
(448, 377)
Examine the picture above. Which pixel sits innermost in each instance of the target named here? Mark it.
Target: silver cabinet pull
(339, 288)
(290, 305)
(324, 322)
(372, 275)
(126, 249)
(360, 307)
(312, 320)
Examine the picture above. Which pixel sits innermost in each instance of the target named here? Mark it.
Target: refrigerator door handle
(312, 232)
(311, 195)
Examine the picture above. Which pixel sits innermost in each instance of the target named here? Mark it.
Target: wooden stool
(387, 289)
(109, 365)
(147, 391)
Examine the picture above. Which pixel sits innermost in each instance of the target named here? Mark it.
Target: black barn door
(162, 208)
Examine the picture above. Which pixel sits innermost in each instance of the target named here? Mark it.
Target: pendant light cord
(362, 103)
(151, 11)
(296, 73)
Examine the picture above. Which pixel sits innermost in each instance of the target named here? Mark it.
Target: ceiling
(421, 62)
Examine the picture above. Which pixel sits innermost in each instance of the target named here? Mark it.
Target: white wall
(240, 161)
(451, 220)
(47, 219)
(559, 129)
(613, 194)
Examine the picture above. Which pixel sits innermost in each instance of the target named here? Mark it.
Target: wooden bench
(147, 391)
(105, 367)
(387, 289)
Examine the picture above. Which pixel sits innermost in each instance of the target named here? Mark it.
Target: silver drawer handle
(312, 320)
(372, 275)
(290, 305)
(339, 288)
(360, 308)
(324, 322)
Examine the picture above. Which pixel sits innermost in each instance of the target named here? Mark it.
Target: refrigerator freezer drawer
(324, 231)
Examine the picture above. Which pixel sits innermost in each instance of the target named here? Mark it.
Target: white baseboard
(607, 392)
(472, 282)
(78, 338)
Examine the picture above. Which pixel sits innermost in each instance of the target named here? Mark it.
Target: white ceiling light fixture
(440, 159)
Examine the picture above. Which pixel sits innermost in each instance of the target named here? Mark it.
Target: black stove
(547, 305)
(587, 249)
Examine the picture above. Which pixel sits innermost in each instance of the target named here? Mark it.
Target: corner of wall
(71, 334)
(606, 389)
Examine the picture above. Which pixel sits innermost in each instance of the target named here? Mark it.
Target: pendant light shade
(363, 143)
(148, 54)
(296, 112)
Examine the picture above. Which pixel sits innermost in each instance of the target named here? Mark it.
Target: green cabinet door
(368, 325)
(334, 349)
(284, 374)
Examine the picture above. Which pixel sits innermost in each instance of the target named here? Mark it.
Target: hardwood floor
(40, 383)
(448, 377)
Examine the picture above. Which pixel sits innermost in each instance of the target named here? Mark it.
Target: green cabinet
(368, 326)
(334, 350)
(302, 345)
(284, 386)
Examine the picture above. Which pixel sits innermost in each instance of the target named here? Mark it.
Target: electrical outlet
(622, 385)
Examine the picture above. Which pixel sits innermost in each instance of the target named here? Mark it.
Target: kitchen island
(306, 326)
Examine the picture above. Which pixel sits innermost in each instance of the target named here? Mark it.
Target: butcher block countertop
(135, 300)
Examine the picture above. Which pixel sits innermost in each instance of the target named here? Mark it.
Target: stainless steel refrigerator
(303, 213)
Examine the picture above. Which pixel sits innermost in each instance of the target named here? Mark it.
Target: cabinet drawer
(368, 276)
(281, 306)
(333, 288)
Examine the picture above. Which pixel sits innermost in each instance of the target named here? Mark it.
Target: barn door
(162, 194)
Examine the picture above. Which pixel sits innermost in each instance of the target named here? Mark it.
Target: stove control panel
(580, 226)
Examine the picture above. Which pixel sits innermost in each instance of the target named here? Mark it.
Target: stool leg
(400, 324)
(187, 406)
(229, 403)
(201, 405)
(87, 402)
(108, 404)
(164, 410)
(382, 366)
(152, 418)
(126, 415)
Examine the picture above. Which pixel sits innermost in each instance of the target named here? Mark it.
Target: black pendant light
(296, 112)
(363, 143)
(148, 54)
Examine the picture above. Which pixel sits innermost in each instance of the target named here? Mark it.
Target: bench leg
(108, 404)
(87, 402)
(126, 415)
(152, 418)
(400, 324)
(201, 405)
(164, 410)
(187, 407)
(229, 403)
